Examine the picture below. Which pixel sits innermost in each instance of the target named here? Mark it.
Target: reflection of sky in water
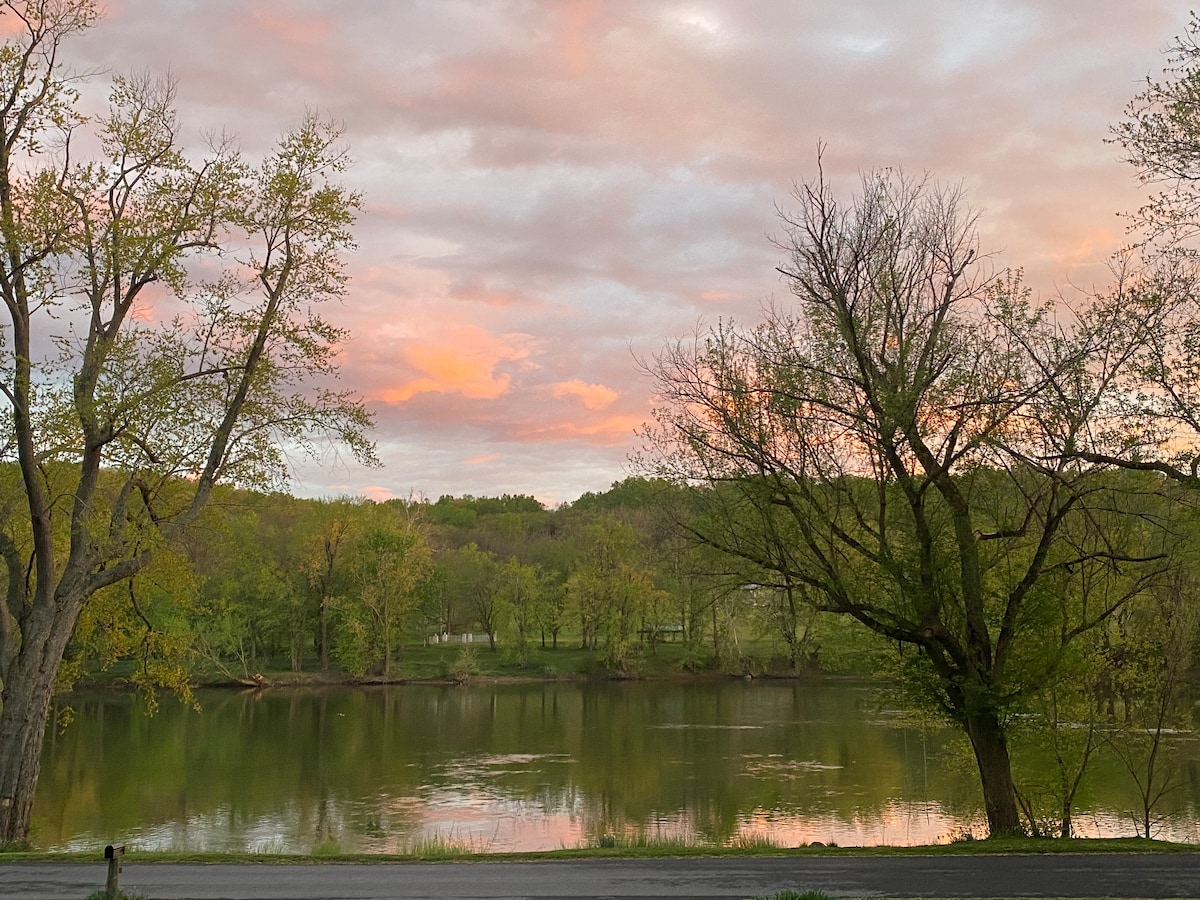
(491, 824)
(873, 782)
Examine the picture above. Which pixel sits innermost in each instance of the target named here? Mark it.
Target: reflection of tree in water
(493, 766)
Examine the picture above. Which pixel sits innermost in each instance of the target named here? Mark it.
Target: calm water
(525, 767)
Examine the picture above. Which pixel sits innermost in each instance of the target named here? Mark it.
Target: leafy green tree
(387, 561)
(1060, 735)
(610, 591)
(521, 590)
(552, 612)
(211, 395)
(146, 619)
(473, 584)
(1152, 648)
(249, 600)
(323, 557)
(898, 445)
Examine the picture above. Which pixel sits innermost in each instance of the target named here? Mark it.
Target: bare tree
(894, 447)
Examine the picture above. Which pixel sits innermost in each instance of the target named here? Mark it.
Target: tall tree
(521, 589)
(323, 553)
(92, 253)
(387, 560)
(609, 590)
(894, 447)
(474, 583)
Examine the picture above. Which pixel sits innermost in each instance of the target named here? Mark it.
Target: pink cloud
(613, 430)
(289, 24)
(592, 396)
(376, 492)
(481, 460)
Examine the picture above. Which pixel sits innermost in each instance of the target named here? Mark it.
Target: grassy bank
(630, 849)
(462, 663)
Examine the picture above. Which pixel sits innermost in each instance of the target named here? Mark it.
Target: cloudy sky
(552, 189)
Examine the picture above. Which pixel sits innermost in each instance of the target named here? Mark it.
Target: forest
(276, 586)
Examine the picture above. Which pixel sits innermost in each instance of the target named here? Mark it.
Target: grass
(327, 850)
(449, 848)
(639, 843)
(754, 843)
(433, 662)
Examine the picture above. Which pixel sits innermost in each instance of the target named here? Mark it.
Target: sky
(553, 190)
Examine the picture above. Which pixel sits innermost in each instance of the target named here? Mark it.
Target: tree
(250, 602)
(895, 446)
(387, 561)
(98, 381)
(322, 555)
(1161, 139)
(474, 584)
(521, 590)
(609, 590)
(1153, 649)
(1156, 395)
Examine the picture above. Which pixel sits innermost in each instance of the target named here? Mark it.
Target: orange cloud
(463, 360)
(606, 430)
(593, 396)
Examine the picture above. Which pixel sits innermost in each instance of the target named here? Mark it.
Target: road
(1055, 875)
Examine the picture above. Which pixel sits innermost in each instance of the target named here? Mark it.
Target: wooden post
(112, 888)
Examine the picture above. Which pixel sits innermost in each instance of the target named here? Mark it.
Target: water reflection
(518, 767)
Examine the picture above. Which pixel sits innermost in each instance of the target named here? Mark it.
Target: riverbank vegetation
(290, 590)
(444, 851)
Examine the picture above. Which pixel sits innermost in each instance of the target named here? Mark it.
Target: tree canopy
(135, 378)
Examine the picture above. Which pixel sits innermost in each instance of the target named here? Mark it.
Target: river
(537, 766)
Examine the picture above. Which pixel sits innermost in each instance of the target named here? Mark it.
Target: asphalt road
(1056, 875)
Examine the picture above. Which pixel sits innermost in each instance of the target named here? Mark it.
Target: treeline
(270, 582)
(267, 581)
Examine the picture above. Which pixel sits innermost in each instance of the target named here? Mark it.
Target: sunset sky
(552, 189)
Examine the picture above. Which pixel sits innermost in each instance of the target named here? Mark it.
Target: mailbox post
(114, 855)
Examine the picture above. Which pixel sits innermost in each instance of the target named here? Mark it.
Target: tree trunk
(995, 773)
(28, 690)
(325, 632)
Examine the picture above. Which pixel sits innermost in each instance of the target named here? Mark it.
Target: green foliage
(445, 847)
(466, 663)
(326, 849)
(388, 559)
(137, 375)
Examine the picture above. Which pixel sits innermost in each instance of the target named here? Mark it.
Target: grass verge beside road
(639, 849)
